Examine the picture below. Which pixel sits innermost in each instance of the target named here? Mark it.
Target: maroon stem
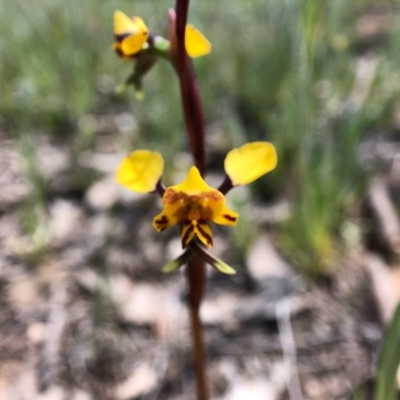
(195, 271)
(195, 127)
(190, 93)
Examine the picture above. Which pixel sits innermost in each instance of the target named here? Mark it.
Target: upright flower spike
(130, 35)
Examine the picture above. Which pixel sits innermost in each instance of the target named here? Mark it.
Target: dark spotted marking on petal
(205, 234)
(121, 37)
(185, 237)
(229, 217)
(214, 195)
(162, 221)
(121, 54)
(172, 197)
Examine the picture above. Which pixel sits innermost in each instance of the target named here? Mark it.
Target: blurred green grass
(284, 71)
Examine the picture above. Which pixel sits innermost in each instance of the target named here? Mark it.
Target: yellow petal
(123, 24)
(204, 233)
(200, 229)
(188, 233)
(140, 171)
(222, 215)
(245, 164)
(140, 25)
(196, 43)
(133, 44)
(167, 217)
(193, 184)
(135, 29)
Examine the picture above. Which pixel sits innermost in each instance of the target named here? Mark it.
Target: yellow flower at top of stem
(131, 36)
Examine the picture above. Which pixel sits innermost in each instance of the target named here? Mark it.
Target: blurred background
(86, 312)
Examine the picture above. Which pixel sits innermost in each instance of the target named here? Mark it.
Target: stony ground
(87, 314)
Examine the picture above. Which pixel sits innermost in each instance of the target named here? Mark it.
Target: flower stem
(195, 274)
(193, 111)
(190, 93)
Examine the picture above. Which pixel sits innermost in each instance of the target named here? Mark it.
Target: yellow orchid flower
(193, 204)
(131, 36)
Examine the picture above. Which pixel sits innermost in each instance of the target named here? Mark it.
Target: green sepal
(161, 46)
(215, 262)
(119, 89)
(178, 262)
(223, 267)
(137, 88)
(143, 63)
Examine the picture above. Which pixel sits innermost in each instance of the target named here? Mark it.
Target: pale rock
(66, 220)
(81, 395)
(121, 288)
(88, 279)
(142, 380)
(52, 160)
(10, 231)
(103, 194)
(144, 304)
(26, 384)
(159, 306)
(9, 226)
(16, 384)
(263, 261)
(219, 310)
(106, 163)
(23, 294)
(385, 284)
(36, 332)
(314, 389)
(259, 388)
